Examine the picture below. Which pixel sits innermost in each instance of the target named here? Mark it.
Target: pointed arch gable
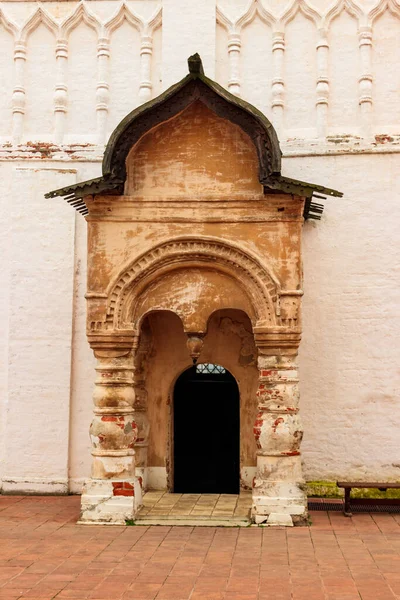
(38, 17)
(303, 7)
(81, 13)
(260, 284)
(351, 7)
(255, 8)
(194, 87)
(124, 13)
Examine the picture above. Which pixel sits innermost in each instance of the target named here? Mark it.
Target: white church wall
(326, 75)
(40, 289)
(349, 355)
(83, 366)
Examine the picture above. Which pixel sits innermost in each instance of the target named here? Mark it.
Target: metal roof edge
(312, 210)
(75, 193)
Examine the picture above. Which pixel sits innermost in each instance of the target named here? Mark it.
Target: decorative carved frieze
(322, 19)
(273, 17)
(62, 30)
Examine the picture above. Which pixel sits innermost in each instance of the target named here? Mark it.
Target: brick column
(278, 488)
(113, 493)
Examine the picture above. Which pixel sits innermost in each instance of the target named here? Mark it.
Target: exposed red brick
(122, 488)
(124, 492)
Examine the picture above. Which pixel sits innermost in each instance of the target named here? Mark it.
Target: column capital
(277, 341)
(113, 344)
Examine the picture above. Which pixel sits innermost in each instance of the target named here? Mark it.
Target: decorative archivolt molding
(79, 15)
(351, 7)
(384, 5)
(255, 8)
(299, 6)
(40, 16)
(261, 285)
(154, 22)
(125, 13)
(223, 20)
(8, 25)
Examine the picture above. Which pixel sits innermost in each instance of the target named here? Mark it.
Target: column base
(283, 504)
(110, 501)
(274, 520)
(279, 496)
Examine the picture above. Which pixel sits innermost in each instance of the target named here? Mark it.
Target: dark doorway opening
(206, 431)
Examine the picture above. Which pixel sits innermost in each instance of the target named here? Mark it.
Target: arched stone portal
(194, 253)
(228, 341)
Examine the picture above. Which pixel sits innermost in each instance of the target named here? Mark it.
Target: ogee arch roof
(194, 87)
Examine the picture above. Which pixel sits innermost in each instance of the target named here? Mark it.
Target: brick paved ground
(43, 554)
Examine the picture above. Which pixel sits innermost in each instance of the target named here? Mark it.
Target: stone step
(189, 521)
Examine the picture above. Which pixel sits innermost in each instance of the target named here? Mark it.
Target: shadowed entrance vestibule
(206, 432)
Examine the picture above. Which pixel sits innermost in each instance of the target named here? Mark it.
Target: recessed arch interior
(228, 342)
(193, 292)
(187, 155)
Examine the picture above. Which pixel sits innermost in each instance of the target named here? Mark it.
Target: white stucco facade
(327, 77)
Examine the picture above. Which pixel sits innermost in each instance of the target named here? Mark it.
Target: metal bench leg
(347, 512)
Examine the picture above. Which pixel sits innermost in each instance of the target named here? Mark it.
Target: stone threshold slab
(193, 521)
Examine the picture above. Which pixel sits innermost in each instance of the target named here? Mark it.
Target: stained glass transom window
(210, 368)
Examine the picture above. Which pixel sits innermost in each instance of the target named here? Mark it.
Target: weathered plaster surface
(349, 353)
(39, 335)
(187, 156)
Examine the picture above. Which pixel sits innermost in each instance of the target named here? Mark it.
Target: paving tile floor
(159, 505)
(44, 555)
